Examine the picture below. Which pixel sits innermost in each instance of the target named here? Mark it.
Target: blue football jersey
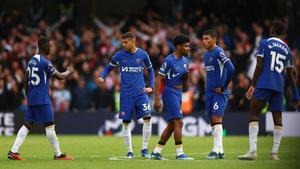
(214, 64)
(131, 66)
(173, 69)
(276, 57)
(39, 71)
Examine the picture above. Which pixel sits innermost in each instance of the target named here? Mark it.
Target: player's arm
(151, 75)
(157, 104)
(226, 77)
(63, 75)
(291, 80)
(26, 81)
(162, 73)
(258, 69)
(112, 64)
(229, 75)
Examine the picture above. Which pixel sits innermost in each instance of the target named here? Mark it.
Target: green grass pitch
(106, 153)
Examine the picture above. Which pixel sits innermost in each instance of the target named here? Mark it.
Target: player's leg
(52, 137)
(178, 124)
(29, 119)
(168, 131)
(276, 107)
(176, 116)
(45, 114)
(217, 133)
(126, 112)
(147, 130)
(127, 138)
(143, 109)
(277, 134)
(257, 103)
(22, 133)
(218, 106)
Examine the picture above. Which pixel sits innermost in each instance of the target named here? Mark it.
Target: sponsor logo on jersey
(132, 69)
(209, 68)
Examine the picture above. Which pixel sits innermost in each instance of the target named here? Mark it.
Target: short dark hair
(211, 33)
(278, 28)
(129, 35)
(43, 43)
(180, 39)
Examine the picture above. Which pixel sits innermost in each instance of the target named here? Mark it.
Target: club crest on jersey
(138, 61)
(210, 59)
(122, 113)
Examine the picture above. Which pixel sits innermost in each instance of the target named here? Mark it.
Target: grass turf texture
(108, 152)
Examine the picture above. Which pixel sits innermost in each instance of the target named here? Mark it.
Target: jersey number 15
(277, 62)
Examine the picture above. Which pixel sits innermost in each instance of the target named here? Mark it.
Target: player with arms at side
(174, 71)
(131, 62)
(219, 70)
(39, 108)
(273, 60)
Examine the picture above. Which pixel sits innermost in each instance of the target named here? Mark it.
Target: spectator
(61, 97)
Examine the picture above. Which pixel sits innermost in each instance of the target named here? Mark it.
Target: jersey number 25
(32, 75)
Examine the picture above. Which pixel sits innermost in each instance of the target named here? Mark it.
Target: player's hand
(296, 104)
(219, 90)
(70, 69)
(157, 105)
(250, 92)
(148, 89)
(99, 81)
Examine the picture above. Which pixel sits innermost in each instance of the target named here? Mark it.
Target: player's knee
(178, 123)
(148, 118)
(216, 120)
(126, 122)
(47, 124)
(278, 122)
(254, 116)
(28, 125)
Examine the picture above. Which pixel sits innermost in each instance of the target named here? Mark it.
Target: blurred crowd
(90, 47)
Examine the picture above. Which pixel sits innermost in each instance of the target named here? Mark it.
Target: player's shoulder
(142, 53)
(264, 42)
(219, 52)
(186, 59)
(38, 60)
(169, 58)
(119, 54)
(274, 39)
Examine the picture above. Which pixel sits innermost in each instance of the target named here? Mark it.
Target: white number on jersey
(32, 74)
(277, 59)
(146, 107)
(216, 106)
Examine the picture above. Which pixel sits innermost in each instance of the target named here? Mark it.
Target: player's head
(44, 45)
(277, 28)
(209, 39)
(182, 44)
(128, 41)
